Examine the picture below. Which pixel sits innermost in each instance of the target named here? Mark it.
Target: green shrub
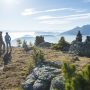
(38, 40)
(19, 42)
(30, 44)
(79, 37)
(25, 46)
(86, 73)
(38, 55)
(68, 70)
(75, 80)
(86, 76)
(55, 46)
(61, 45)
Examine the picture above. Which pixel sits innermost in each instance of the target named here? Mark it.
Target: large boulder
(57, 83)
(80, 48)
(41, 76)
(41, 85)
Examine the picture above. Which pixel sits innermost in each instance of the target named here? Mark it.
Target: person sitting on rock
(8, 40)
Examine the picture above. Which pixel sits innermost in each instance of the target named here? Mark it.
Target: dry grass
(15, 73)
(54, 55)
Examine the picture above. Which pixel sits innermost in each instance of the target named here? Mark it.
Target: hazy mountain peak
(85, 30)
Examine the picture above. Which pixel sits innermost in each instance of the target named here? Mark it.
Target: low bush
(38, 56)
(76, 80)
(38, 40)
(19, 42)
(61, 45)
(25, 46)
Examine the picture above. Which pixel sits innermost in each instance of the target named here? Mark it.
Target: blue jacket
(7, 38)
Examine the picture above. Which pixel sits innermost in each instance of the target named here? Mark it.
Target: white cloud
(55, 22)
(59, 9)
(75, 16)
(59, 21)
(28, 12)
(63, 19)
(31, 11)
(45, 17)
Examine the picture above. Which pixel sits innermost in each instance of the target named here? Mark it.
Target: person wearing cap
(8, 40)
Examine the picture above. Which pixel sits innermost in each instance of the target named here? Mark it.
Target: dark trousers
(8, 44)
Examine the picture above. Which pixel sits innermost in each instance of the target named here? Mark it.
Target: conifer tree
(79, 37)
(39, 39)
(19, 42)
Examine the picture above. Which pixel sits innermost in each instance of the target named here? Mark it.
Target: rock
(56, 63)
(28, 85)
(80, 48)
(57, 83)
(87, 39)
(45, 44)
(41, 85)
(66, 48)
(41, 77)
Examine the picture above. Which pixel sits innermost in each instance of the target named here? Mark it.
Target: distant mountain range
(85, 30)
(55, 36)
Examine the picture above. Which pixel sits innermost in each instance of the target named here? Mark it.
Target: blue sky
(43, 15)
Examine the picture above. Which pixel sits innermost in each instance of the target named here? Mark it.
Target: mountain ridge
(85, 30)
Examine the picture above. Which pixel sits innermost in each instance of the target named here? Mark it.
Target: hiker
(2, 45)
(8, 41)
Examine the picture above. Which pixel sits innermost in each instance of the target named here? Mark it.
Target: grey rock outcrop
(57, 83)
(80, 48)
(42, 77)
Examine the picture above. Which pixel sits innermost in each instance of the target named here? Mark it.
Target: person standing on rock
(8, 41)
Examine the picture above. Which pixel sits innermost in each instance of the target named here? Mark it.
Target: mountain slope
(85, 30)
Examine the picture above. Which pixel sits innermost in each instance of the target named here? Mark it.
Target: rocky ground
(16, 72)
(46, 76)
